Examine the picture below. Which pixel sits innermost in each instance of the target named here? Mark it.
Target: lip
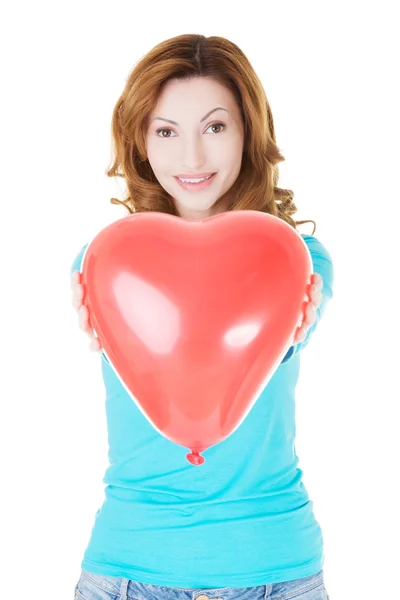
(193, 175)
(195, 187)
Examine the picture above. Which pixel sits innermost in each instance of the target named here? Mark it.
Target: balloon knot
(195, 459)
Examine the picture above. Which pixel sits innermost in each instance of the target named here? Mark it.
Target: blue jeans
(98, 587)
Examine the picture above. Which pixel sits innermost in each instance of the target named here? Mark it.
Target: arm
(322, 264)
(77, 266)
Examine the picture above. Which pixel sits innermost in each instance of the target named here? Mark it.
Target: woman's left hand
(315, 295)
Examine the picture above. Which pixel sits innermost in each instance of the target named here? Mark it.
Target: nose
(193, 156)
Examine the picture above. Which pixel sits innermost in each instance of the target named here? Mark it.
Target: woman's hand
(315, 295)
(83, 315)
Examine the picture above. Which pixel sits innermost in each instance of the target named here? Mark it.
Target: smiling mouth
(195, 179)
(196, 186)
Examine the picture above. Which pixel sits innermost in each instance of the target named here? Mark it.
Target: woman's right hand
(83, 316)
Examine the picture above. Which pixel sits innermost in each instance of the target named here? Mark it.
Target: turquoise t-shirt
(242, 519)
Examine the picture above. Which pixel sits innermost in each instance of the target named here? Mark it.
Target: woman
(242, 525)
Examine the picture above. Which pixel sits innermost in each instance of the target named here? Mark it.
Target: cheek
(164, 157)
(232, 155)
(232, 166)
(159, 161)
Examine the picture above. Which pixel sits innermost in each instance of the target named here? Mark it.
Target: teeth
(194, 180)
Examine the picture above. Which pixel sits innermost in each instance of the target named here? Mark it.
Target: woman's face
(197, 143)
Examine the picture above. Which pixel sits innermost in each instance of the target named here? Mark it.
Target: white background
(329, 72)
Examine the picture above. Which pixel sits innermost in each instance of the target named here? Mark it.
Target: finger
(316, 278)
(94, 344)
(75, 278)
(315, 295)
(76, 287)
(83, 319)
(303, 314)
(76, 303)
(300, 335)
(313, 292)
(318, 281)
(311, 314)
(77, 297)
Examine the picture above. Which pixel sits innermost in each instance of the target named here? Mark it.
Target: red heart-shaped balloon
(195, 316)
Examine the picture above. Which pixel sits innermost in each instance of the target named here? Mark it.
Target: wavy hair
(184, 57)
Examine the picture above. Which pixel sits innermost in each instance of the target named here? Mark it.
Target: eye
(163, 129)
(167, 129)
(217, 125)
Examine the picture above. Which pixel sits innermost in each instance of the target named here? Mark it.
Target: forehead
(197, 93)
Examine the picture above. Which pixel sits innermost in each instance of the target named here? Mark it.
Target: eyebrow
(201, 120)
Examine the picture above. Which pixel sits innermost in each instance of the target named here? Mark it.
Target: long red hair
(183, 57)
